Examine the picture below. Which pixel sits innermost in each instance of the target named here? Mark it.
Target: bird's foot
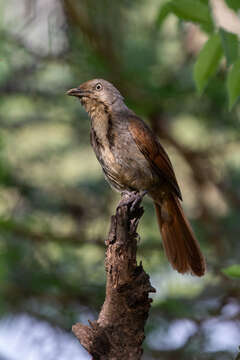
(132, 198)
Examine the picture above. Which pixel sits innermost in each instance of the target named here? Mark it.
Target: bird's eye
(98, 87)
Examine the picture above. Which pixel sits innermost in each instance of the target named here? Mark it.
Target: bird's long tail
(180, 244)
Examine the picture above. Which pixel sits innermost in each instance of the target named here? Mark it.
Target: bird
(134, 162)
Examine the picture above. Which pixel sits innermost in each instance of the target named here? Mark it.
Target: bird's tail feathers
(179, 242)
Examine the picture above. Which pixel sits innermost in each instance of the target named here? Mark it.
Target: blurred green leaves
(233, 83)
(230, 44)
(218, 43)
(234, 4)
(188, 10)
(232, 271)
(207, 61)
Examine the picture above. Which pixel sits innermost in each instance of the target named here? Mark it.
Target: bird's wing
(150, 147)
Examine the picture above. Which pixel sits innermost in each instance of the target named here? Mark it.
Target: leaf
(204, 1)
(230, 45)
(189, 10)
(233, 83)
(192, 10)
(165, 10)
(207, 61)
(233, 4)
(232, 271)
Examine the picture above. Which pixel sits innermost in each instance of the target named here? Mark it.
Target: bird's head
(96, 91)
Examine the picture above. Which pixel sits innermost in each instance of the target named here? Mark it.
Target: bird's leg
(138, 198)
(131, 197)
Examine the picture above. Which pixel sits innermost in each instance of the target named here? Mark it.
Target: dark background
(55, 205)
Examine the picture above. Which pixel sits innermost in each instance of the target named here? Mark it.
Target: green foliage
(165, 10)
(234, 4)
(188, 10)
(208, 59)
(233, 83)
(230, 45)
(232, 271)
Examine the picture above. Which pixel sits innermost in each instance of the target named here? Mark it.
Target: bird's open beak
(75, 92)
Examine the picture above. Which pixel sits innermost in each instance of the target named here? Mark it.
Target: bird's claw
(133, 197)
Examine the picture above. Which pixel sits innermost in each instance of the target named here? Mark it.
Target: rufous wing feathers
(153, 152)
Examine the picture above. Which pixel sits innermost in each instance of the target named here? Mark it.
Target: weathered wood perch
(119, 331)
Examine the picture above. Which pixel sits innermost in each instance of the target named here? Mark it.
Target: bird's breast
(123, 164)
(101, 141)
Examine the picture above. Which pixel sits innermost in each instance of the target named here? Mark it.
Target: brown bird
(133, 160)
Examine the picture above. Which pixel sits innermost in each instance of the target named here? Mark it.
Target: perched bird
(133, 160)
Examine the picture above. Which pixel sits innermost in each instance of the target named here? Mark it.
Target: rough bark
(119, 331)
